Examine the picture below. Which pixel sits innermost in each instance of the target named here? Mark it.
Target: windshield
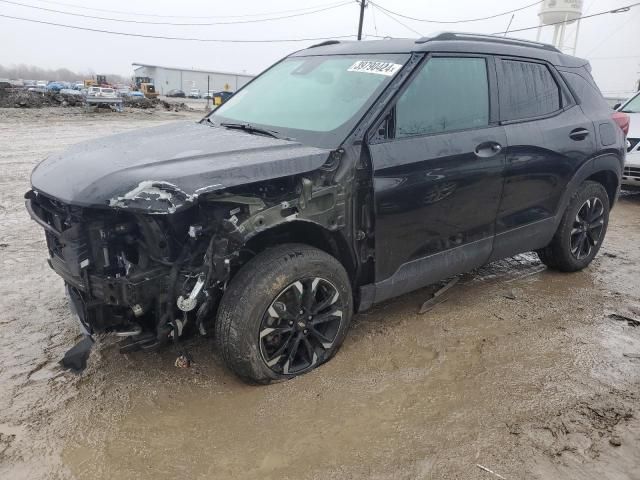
(633, 106)
(316, 100)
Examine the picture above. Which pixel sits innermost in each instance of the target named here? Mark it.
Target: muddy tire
(581, 230)
(284, 313)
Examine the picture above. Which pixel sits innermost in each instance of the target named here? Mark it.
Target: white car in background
(103, 92)
(631, 174)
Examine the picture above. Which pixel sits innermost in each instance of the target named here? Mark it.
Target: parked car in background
(194, 93)
(55, 86)
(135, 94)
(382, 167)
(631, 174)
(208, 95)
(176, 93)
(71, 91)
(41, 83)
(92, 91)
(123, 90)
(78, 85)
(102, 92)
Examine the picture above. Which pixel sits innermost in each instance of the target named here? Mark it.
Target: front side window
(311, 98)
(527, 90)
(447, 94)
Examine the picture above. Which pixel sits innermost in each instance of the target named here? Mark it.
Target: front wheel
(286, 312)
(581, 230)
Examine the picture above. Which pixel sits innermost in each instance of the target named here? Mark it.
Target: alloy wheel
(300, 326)
(587, 228)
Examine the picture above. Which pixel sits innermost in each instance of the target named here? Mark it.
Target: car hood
(164, 169)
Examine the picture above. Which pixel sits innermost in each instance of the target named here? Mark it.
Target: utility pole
(207, 94)
(362, 5)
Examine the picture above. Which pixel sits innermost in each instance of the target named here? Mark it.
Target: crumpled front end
(140, 276)
(149, 276)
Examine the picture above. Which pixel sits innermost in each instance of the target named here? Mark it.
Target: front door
(438, 174)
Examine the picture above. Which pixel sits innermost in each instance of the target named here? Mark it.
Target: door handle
(579, 134)
(488, 149)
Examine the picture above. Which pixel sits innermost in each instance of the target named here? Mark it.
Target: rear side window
(447, 94)
(527, 90)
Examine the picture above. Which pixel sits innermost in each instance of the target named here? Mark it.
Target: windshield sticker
(381, 68)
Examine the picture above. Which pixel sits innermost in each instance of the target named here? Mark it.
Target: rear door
(438, 168)
(548, 139)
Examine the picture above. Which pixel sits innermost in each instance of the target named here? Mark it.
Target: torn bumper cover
(139, 276)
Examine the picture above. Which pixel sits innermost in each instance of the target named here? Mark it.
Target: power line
(187, 39)
(232, 22)
(617, 10)
(611, 34)
(394, 19)
(455, 21)
(183, 16)
(373, 16)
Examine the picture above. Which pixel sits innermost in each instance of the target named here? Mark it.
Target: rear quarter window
(587, 92)
(527, 90)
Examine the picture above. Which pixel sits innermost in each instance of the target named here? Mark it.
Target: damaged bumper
(125, 273)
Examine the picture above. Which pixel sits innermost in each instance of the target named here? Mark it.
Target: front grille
(633, 143)
(66, 239)
(632, 172)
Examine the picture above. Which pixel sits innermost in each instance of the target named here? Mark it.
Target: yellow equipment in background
(149, 90)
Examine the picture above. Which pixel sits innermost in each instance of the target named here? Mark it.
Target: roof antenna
(509, 26)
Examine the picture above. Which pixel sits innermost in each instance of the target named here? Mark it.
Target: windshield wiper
(251, 129)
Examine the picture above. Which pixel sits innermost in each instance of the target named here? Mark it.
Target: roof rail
(443, 36)
(326, 42)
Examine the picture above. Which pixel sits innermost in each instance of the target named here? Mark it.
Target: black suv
(346, 174)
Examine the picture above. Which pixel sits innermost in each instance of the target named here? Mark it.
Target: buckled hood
(163, 169)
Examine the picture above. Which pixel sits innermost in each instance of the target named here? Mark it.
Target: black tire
(262, 297)
(578, 240)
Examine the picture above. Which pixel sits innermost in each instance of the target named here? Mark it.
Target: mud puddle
(520, 370)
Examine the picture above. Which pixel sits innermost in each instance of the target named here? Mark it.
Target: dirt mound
(176, 107)
(140, 102)
(13, 98)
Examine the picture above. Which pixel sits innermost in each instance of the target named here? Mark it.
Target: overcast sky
(611, 42)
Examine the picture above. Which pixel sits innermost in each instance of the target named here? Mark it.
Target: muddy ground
(521, 370)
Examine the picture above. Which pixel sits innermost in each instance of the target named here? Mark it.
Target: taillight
(623, 120)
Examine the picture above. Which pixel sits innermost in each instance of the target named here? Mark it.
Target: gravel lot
(522, 371)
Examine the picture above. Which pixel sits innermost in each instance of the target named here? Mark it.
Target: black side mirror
(617, 106)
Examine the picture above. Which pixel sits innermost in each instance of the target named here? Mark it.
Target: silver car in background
(631, 174)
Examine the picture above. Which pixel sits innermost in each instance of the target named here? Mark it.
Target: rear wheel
(581, 230)
(286, 312)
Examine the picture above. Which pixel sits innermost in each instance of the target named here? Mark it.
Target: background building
(169, 78)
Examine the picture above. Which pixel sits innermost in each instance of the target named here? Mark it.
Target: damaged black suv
(346, 174)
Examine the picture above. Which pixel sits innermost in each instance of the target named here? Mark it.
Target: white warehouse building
(170, 78)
